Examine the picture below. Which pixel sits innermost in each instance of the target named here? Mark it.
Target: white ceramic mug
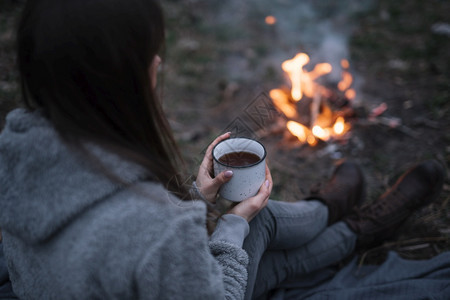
(247, 179)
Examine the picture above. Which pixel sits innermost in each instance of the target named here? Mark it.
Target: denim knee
(296, 223)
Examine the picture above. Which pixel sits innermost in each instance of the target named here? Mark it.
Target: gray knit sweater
(70, 232)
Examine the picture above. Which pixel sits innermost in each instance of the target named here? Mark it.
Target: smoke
(319, 28)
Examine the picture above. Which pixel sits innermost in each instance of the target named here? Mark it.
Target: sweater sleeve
(232, 229)
(185, 265)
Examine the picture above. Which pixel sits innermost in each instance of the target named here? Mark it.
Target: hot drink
(239, 159)
(246, 158)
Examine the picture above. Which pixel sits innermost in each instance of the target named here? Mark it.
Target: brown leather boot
(342, 192)
(378, 221)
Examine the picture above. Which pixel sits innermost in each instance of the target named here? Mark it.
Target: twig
(426, 122)
(396, 124)
(391, 123)
(430, 217)
(414, 247)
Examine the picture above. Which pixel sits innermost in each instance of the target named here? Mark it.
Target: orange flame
(311, 140)
(303, 134)
(345, 64)
(303, 84)
(281, 101)
(270, 20)
(298, 130)
(346, 81)
(319, 70)
(350, 94)
(294, 68)
(321, 133)
(339, 126)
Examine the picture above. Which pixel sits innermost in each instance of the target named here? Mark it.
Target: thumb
(222, 178)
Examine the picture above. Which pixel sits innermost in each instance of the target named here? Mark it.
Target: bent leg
(329, 248)
(282, 225)
(296, 223)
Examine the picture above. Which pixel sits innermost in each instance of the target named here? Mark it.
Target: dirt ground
(221, 60)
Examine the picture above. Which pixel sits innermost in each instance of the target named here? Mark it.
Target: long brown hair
(85, 64)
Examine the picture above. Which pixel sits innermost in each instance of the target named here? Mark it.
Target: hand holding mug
(246, 158)
(249, 208)
(207, 183)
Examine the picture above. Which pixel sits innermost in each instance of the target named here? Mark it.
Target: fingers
(222, 178)
(264, 191)
(208, 155)
(266, 188)
(207, 164)
(260, 200)
(210, 186)
(268, 175)
(249, 208)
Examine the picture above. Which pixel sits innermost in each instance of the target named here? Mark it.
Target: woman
(90, 186)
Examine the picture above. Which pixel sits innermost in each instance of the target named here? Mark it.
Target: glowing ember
(339, 126)
(299, 130)
(321, 116)
(346, 81)
(350, 94)
(319, 70)
(311, 140)
(323, 134)
(345, 64)
(270, 20)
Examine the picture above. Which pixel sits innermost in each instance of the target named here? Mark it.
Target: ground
(221, 60)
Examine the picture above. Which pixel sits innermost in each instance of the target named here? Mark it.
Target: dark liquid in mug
(239, 159)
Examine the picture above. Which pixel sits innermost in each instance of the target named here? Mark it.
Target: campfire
(313, 111)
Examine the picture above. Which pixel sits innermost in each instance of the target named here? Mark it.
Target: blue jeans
(6, 291)
(289, 239)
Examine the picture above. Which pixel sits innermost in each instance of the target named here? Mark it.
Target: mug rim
(246, 166)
